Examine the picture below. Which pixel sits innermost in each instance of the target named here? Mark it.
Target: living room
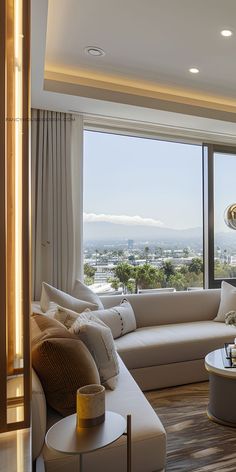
(118, 235)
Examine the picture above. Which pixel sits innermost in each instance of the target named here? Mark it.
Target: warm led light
(18, 176)
(226, 33)
(194, 70)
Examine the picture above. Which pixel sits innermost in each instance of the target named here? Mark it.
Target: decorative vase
(90, 405)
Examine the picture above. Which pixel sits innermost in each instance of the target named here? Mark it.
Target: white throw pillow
(99, 341)
(83, 292)
(120, 319)
(52, 294)
(36, 308)
(227, 301)
(67, 317)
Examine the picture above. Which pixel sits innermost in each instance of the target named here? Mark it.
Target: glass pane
(224, 195)
(142, 214)
(15, 398)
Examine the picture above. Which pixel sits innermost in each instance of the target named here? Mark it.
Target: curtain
(56, 156)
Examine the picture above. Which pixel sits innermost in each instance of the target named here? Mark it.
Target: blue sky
(127, 179)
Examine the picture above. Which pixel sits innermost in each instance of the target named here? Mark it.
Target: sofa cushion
(62, 362)
(99, 341)
(43, 327)
(67, 317)
(167, 308)
(52, 294)
(120, 319)
(148, 435)
(227, 301)
(83, 292)
(158, 345)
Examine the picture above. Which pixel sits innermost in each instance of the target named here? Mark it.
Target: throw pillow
(52, 294)
(67, 317)
(43, 327)
(83, 292)
(63, 364)
(120, 319)
(98, 339)
(227, 301)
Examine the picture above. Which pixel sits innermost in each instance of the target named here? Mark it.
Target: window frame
(185, 136)
(208, 151)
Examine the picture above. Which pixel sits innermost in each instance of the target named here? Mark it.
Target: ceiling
(147, 40)
(149, 47)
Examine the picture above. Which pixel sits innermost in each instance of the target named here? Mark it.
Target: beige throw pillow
(98, 339)
(52, 294)
(120, 319)
(227, 301)
(83, 292)
(67, 317)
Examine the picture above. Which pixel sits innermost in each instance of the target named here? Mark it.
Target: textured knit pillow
(83, 292)
(62, 362)
(227, 301)
(98, 339)
(52, 294)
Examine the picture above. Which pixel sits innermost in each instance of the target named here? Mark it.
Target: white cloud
(122, 220)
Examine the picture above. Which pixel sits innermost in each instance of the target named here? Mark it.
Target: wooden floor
(194, 443)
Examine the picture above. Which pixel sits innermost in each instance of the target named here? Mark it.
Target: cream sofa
(174, 333)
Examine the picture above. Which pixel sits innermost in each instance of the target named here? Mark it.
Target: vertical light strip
(18, 178)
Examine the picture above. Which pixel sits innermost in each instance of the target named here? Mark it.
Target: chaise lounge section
(148, 434)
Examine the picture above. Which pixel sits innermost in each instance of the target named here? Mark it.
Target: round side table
(66, 438)
(222, 391)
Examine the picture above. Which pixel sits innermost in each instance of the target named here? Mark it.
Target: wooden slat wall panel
(7, 211)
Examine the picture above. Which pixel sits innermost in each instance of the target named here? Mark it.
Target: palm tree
(147, 276)
(168, 269)
(146, 252)
(124, 272)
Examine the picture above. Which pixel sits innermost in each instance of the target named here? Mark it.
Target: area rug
(194, 444)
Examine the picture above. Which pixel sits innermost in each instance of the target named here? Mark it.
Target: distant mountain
(110, 231)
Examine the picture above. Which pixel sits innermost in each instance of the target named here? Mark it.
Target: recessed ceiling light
(194, 70)
(94, 51)
(226, 33)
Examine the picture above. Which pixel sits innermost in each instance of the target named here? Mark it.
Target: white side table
(222, 391)
(64, 436)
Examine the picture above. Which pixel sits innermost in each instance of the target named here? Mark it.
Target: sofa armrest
(39, 467)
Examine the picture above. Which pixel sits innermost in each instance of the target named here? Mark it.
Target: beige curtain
(57, 149)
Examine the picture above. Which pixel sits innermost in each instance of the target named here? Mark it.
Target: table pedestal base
(222, 396)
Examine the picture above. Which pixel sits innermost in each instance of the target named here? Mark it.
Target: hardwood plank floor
(194, 443)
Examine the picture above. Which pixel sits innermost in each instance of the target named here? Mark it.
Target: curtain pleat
(55, 201)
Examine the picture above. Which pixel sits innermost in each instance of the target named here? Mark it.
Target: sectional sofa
(174, 333)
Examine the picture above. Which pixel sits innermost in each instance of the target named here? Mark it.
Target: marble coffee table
(222, 393)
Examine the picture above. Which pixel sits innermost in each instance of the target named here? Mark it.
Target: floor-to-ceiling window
(220, 234)
(142, 214)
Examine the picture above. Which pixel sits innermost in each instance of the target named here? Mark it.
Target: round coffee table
(64, 437)
(222, 393)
